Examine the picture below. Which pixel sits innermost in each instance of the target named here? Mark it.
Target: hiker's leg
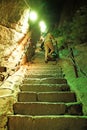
(46, 51)
(51, 47)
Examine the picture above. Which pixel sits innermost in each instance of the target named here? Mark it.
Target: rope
(79, 69)
(76, 64)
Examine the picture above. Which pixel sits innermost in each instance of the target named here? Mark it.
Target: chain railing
(77, 69)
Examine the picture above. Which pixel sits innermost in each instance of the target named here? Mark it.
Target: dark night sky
(52, 9)
(48, 9)
(55, 5)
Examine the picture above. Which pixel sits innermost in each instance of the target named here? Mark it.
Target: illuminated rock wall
(14, 16)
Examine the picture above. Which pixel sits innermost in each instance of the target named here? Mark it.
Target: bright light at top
(33, 16)
(42, 26)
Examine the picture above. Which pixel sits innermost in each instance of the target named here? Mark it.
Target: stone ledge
(5, 92)
(8, 95)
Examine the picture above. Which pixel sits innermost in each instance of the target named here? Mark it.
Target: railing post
(75, 67)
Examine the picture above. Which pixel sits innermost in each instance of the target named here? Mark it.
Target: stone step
(45, 68)
(45, 80)
(22, 122)
(44, 87)
(39, 108)
(43, 75)
(52, 71)
(46, 97)
(43, 65)
(47, 108)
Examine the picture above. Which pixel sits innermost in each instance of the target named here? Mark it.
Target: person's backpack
(54, 55)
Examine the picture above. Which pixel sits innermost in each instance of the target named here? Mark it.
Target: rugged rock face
(14, 25)
(14, 37)
(13, 14)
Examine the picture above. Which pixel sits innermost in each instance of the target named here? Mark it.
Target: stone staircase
(45, 102)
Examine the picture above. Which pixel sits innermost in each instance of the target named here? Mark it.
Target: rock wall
(14, 16)
(14, 37)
